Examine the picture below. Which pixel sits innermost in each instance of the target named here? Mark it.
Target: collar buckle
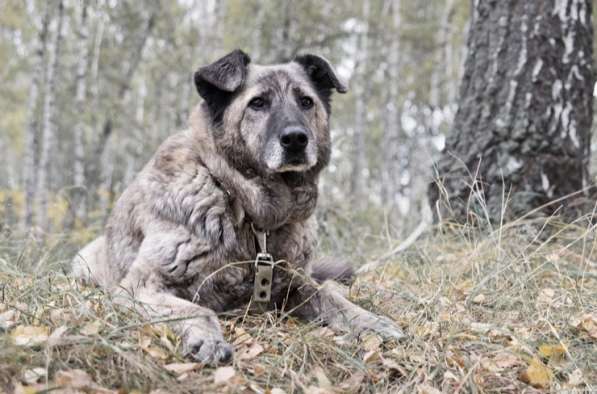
(264, 273)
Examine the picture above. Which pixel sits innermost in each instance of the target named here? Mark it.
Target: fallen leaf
(391, 364)
(241, 337)
(8, 319)
(480, 328)
(318, 390)
(322, 380)
(371, 357)
(537, 374)
(323, 332)
(355, 380)
(54, 338)
(575, 378)
(545, 296)
(479, 299)
(31, 389)
(506, 360)
(258, 369)
(156, 352)
(30, 335)
(276, 390)
(224, 375)
(182, 368)
(33, 375)
(589, 324)
(91, 328)
(426, 389)
(251, 352)
(371, 342)
(144, 341)
(552, 352)
(75, 378)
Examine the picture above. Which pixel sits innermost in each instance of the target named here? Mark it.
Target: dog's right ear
(216, 82)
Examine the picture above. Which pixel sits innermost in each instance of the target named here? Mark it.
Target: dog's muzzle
(294, 140)
(293, 149)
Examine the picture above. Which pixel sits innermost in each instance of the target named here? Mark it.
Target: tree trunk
(361, 91)
(94, 169)
(441, 75)
(49, 125)
(523, 125)
(32, 133)
(79, 203)
(392, 133)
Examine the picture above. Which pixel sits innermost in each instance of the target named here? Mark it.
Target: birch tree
(523, 127)
(79, 203)
(49, 122)
(392, 125)
(361, 91)
(30, 167)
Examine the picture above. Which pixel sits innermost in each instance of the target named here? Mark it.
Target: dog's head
(271, 118)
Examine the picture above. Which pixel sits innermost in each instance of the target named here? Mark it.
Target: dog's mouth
(278, 161)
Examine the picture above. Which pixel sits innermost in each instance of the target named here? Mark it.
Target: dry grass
(494, 312)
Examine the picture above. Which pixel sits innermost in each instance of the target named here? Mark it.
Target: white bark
(80, 197)
(49, 124)
(441, 86)
(32, 132)
(361, 90)
(390, 172)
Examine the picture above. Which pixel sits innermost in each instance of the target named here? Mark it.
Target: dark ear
(217, 81)
(321, 73)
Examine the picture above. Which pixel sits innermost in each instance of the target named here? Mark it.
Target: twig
(419, 230)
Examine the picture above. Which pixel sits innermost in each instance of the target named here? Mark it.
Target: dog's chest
(230, 285)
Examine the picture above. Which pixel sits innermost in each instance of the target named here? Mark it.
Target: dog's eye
(257, 103)
(306, 102)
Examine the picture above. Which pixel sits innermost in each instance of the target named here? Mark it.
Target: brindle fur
(179, 243)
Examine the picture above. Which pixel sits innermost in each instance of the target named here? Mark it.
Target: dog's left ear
(215, 82)
(321, 73)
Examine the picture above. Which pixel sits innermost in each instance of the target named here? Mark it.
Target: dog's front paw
(384, 327)
(209, 351)
(175, 269)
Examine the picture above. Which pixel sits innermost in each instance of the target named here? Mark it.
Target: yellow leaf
(589, 324)
(537, 374)
(554, 352)
(372, 342)
(156, 352)
(75, 378)
(30, 335)
(371, 356)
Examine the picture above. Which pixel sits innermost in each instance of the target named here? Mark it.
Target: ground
(506, 309)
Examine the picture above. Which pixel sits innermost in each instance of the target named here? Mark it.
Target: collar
(264, 267)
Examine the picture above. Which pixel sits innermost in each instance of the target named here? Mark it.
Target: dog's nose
(294, 139)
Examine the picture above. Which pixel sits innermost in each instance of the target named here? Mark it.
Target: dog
(221, 217)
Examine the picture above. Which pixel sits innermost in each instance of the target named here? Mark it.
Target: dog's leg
(198, 327)
(325, 304)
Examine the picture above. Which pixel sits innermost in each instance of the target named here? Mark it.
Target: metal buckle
(264, 272)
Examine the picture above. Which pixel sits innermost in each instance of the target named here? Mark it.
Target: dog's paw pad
(211, 351)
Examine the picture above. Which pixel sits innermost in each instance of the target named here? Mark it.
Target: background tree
(521, 136)
(113, 109)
